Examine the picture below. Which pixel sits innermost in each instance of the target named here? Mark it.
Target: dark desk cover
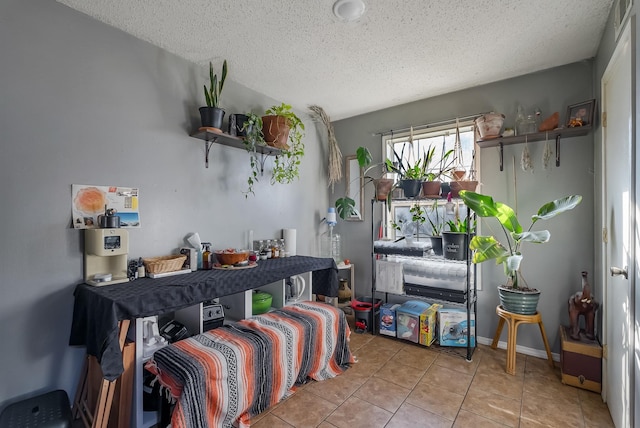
(97, 310)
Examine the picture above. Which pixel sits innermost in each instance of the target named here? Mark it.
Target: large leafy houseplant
(509, 253)
(345, 206)
(282, 123)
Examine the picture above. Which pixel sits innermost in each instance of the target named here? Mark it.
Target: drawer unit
(581, 362)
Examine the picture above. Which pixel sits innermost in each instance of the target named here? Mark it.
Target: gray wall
(554, 267)
(84, 103)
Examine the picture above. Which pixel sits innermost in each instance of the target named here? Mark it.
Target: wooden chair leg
(546, 343)
(496, 337)
(511, 347)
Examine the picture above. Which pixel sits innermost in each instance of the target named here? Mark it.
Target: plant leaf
(487, 248)
(553, 208)
(346, 207)
(485, 206)
(538, 237)
(364, 157)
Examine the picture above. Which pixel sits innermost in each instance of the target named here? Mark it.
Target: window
(436, 212)
(443, 140)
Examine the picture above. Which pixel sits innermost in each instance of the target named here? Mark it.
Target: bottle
(283, 252)
(206, 258)
(141, 270)
(330, 245)
(269, 249)
(276, 249)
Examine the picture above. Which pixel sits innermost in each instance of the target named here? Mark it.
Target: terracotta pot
(457, 186)
(383, 187)
(276, 131)
(431, 189)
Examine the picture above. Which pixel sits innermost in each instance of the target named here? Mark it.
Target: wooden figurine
(582, 303)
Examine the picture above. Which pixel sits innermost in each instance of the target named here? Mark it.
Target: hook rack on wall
(500, 142)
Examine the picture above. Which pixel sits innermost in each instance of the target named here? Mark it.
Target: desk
(97, 310)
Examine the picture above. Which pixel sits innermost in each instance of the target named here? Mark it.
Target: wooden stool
(514, 320)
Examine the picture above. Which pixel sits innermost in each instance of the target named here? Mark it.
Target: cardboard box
(453, 327)
(388, 319)
(408, 320)
(580, 361)
(428, 325)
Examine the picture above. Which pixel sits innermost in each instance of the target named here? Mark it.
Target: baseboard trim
(521, 349)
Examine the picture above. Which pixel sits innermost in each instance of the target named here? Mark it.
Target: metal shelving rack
(469, 301)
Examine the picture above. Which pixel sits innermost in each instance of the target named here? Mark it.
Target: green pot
(519, 301)
(261, 302)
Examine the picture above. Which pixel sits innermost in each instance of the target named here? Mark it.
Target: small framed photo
(580, 114)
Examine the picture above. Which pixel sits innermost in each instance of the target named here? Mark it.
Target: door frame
(629, 34)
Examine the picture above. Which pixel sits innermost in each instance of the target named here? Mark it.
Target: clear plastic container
(330, 245)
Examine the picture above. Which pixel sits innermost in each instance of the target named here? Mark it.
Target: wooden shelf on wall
(556, 134)
(209, 137)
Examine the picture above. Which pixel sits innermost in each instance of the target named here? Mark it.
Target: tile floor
(397, 384)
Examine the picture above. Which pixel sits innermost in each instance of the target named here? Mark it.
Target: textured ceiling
(399, 51)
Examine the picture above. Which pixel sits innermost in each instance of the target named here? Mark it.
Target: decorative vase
(211, 117)
(431, 189)
(518, 301)
(436, 245)
(276, 131)
(344, 292)
(411, 188)
(383, 187)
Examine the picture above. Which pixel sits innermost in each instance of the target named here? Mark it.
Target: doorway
(619, 231)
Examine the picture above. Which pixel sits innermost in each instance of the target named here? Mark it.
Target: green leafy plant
(345, 206)
(460, 225)
(212, 95)
(436, 228)
(508, 253)
(287, 164)
(422, 168)
(253, 137)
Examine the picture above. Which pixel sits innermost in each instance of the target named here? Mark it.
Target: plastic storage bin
(50, 410)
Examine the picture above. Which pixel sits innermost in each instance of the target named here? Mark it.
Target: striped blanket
(225, 376)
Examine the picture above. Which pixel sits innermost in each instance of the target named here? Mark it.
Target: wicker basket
(165, 263)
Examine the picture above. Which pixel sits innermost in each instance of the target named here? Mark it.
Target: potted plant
(514, 296)
(280, 126)
(418, 218)
(211, 116)
(412, 175)
(253, 136)
(454, 241)
(433, 180)
(345, 206)
(436, 230)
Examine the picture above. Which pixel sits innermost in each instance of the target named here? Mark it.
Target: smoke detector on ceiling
(348, 10)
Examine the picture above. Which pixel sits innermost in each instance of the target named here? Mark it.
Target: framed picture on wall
(355, 182)
(581, 114)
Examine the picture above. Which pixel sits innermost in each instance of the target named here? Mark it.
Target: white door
(618, 188)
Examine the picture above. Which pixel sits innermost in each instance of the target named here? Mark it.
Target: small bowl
(231, 257)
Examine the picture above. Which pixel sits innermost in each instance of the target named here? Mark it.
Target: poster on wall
(89, 202)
